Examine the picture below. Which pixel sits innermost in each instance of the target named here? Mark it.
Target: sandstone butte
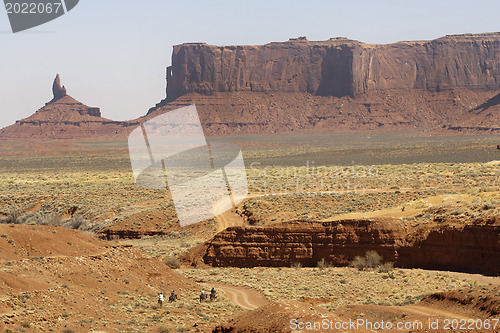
(65, 118)
(450, 84)
(337, 67)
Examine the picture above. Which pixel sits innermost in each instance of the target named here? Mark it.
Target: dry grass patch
(341, 286)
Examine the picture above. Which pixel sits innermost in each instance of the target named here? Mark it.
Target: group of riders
(173, 297)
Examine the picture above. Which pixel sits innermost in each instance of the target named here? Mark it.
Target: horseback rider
(173, 296)
(203, 296)
(160, 299)
(212, 294)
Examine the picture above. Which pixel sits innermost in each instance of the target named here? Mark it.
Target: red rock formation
(448, 84)
(337, 67)
(66, 118)
(470, 248)
(233, 113)
(339, 85)
(58, 91)
(282, 245)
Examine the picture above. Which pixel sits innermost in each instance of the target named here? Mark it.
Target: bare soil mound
(275, 317)
(459, 306)
(28, 241)
(483, 302)
(52, 278)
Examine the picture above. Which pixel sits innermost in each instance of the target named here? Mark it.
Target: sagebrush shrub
(371, 260)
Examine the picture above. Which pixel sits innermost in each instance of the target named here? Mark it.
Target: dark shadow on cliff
(336, 73)
(494, 101)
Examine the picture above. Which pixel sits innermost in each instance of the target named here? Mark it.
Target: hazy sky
(113, 54)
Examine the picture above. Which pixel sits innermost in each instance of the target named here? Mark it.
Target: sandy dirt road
(228, 219)
(251, 299)
(247, 298)
(432, 312)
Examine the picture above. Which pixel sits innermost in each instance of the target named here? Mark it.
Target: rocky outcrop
(66, 118)
(303, 242)
(58, 91)
(445, 85)
(337, 67)
(439, 86)
(469, 248)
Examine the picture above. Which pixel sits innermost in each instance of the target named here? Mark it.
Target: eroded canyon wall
(468, 248)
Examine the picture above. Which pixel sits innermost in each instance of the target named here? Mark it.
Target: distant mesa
(449, 85)
(66, 118)
(337, 67)
(59, 92)
(339, 85)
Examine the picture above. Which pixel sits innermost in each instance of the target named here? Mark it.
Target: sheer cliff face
(467, 248)
(279, 67)
(441, 64)
(337, 67)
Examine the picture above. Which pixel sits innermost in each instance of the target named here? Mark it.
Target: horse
(172, 298)
(212, 297)
(160, 300)
(203, 297)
